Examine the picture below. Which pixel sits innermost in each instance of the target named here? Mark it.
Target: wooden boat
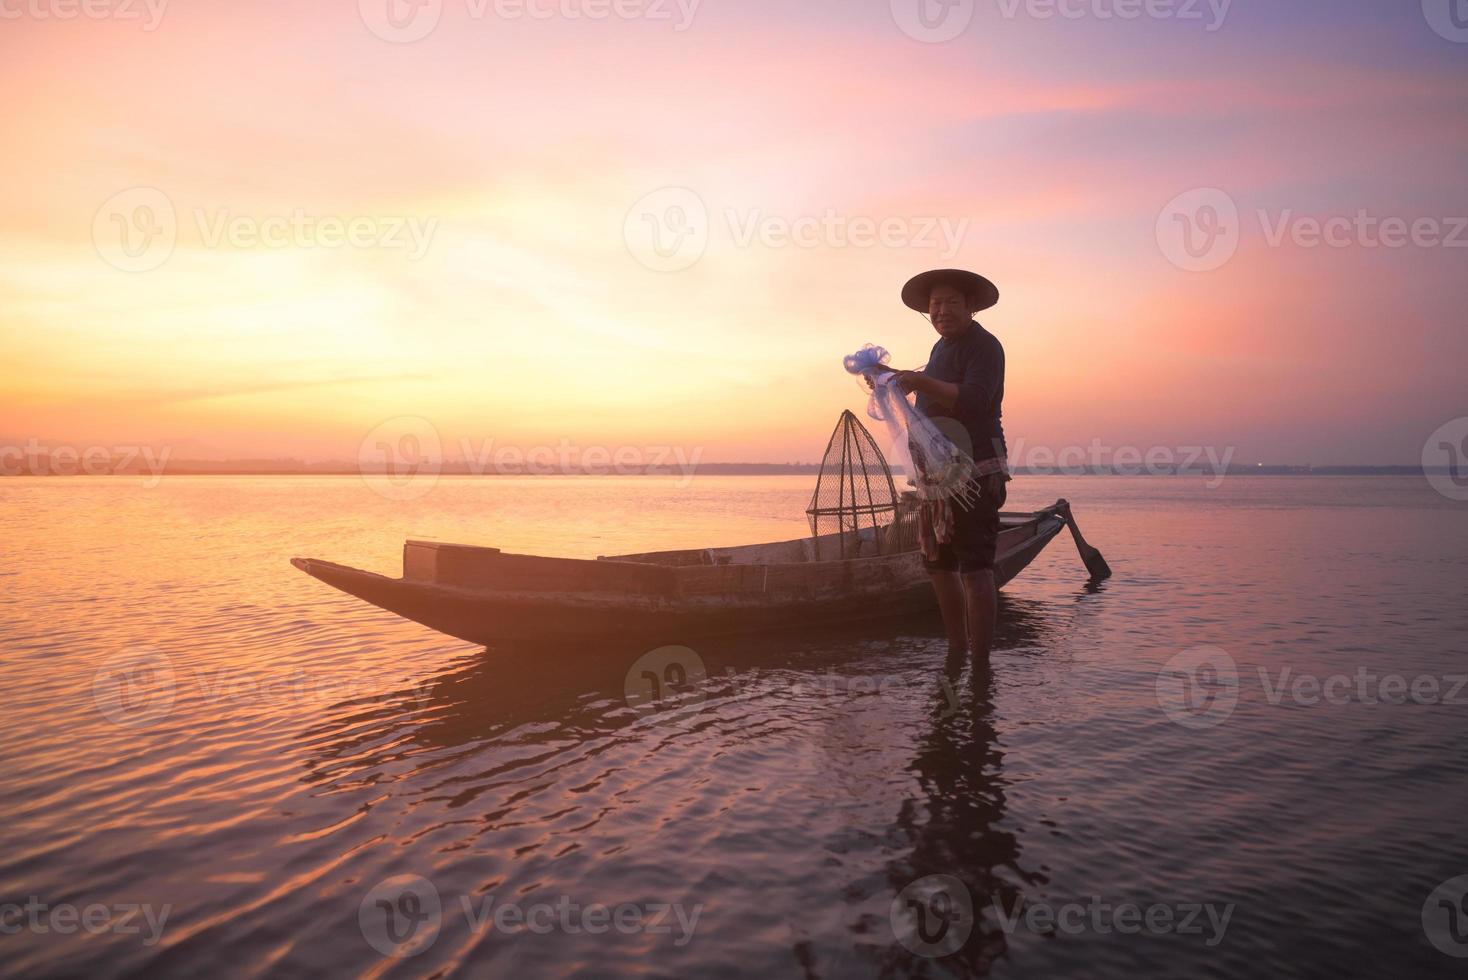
(488, 597)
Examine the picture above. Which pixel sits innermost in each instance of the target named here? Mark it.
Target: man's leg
(982, 601)
(951, 601)
(981, 541)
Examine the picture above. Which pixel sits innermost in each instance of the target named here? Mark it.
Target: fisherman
(963, 382)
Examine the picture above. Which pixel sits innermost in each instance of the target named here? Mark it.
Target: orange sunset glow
(723, 489)
(341, 228)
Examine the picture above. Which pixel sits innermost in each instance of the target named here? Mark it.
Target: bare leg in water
(952, 603)
(981, 599)
(970, 606)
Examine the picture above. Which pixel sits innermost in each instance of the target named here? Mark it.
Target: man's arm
(945, 393)
(983, 376)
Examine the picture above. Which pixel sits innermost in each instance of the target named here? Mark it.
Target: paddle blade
(1095, 564)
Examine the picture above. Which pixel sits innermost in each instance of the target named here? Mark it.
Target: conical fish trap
(855, 504)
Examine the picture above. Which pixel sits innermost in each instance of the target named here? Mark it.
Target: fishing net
(855, 510)
(938, 469)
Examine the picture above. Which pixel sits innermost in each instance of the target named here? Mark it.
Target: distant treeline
(43, 465)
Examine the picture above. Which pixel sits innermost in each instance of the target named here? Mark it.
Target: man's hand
(944, 392)
(910, 381)
(880, 373)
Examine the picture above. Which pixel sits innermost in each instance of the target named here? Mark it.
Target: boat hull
(678, 611)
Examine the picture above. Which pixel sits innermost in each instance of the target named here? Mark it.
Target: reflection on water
(526, 729)
(195, 726)
(957, 828)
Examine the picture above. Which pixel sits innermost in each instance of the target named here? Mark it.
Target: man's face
(949, 310)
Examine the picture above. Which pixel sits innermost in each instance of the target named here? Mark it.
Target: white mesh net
(938, 469)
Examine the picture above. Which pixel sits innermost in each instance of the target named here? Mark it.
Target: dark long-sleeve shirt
(974, 362)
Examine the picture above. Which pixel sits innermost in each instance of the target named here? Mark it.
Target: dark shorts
(975, 530)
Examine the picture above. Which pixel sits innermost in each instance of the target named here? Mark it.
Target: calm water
(285, 750)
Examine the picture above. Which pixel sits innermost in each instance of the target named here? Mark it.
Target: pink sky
(526, 311)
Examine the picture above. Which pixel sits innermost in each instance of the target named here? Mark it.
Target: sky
(261, 230)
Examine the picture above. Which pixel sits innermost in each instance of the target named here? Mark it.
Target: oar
(1095, 564)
